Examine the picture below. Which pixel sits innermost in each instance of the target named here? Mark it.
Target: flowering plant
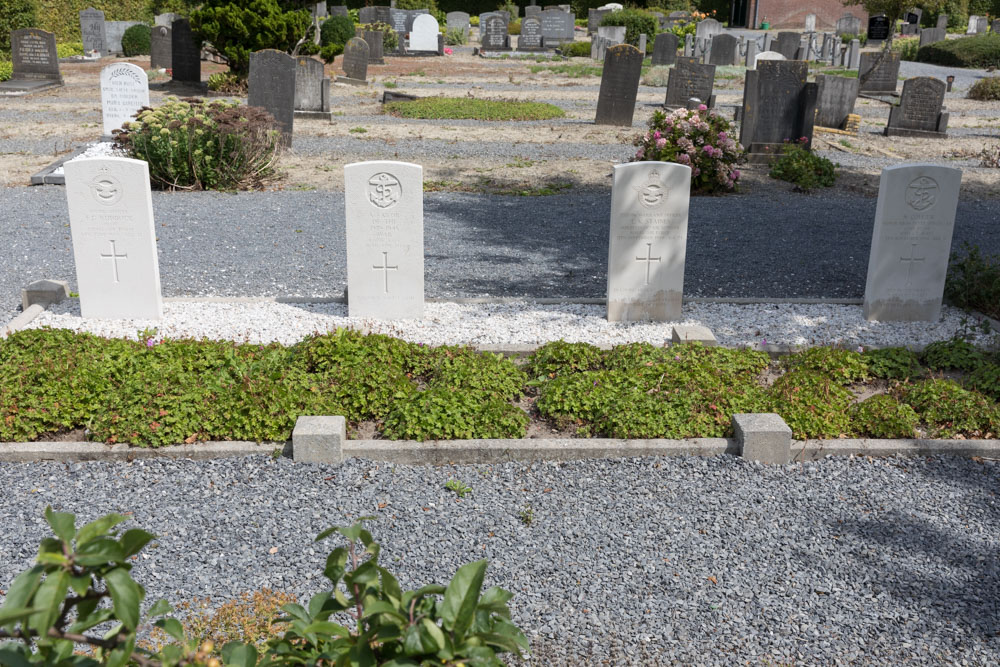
(699, 139)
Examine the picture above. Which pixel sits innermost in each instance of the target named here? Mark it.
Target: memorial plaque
(921, 110)
(648, 241)
(911, 242)
(931, 35)
(92, 31)
(185, 53)
(355, 61)
(619, 85)
(34, 54)
(272, 87)
(688, 79)
(309, 84)
(788, 44)
(557, 27)
(835, 100)
(424, 35)
(495, 38)
(385, 240)
(665, 49)
(114, 240)
(778, 106)
(848, 24)
(160, 54)
(530, 38)
(723, 50)
(879, 28)
(883, 78)
(124, 90)
(113, 32)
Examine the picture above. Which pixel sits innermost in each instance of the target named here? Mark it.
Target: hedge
(978, 51)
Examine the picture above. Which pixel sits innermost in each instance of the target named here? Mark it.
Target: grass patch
(846, 73)
(390, 84)
(357, 130)
(458, 108)
(571, 70)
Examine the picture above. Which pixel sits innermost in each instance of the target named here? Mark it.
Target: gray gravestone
(530, 38)
(495, 37)
(594, 18)
(911, 242)
(619, 85)
(458, 21)
(35, 61)
(382, 13)
(113, 32)
(665, 49)
(367, 15)
(921, 110)
(835, 100)
(853, 54)
(312, 88)
(92, 31)
(931, 35)
(355, 61)
(399, 19)
(376, 40)
(995, 26)
(166, 19)
(557, 27)
(385, 240)
(883, 78)
(942, 22)
(778, 106)
(424, 35)
(159, 48)
(973, 25)
(648, 241)
(272, 87)
(339, 10)
(706, 30)
(788, 44)
(532, 11)
(185, 53)
(724, 50)
(688, 79)
(114, 240)
(124, 90)
(810, 23)
(848, 24)
(751, 55)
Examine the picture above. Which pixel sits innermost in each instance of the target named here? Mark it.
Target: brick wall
(791, 14)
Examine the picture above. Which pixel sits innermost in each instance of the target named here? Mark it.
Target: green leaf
(134, 540)
(126, 595)
(172, 627)
(12, 655)
(159, 608)
(433, 632)
(80, 584)
(336, 565)
(48, 599)
(316, 603)
(63, 524)
(390, 585)
(296, 611)
(239, 655)
(86, 622)
(52, 558)
(98, 528)
(461, 597)
(15, 614)
(382, 607)
(99, 551)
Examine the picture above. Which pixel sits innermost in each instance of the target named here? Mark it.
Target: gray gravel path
(639, 562)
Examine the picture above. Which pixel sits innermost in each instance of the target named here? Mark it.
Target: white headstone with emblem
(385, 239)
(911, 242)
(124, 90)
(648, 243)
(114, 242)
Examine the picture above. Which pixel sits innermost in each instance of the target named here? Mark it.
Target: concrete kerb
(45, 176)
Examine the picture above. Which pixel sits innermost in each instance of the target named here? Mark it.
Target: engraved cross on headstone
(910, 261)
(649, 259)
(385, 269)
(114, 257)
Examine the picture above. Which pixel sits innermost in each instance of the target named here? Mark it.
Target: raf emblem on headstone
(653, 192)
(106, 189)
(921, 193)
(384, 190)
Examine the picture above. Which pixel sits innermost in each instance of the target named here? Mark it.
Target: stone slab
(692, 333)
(763, 437)
(309, 83)
(34, 56)
(920, 111)
(160, 51)
(355, 60)
(689, 78)
(185, 53)
(835, 100)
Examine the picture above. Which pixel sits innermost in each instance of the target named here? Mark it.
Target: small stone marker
(355, 62)
(124, 90)
(921, 110)
(763, 437)
(648, 241)
(619, 85)
(835, 100)
(114, 242)
(788, 44)
(688, 79)
(530, 38)
(272, 87)
(665, 49)
(113, 32)
(92, 31)
(724, 50)
(883, 78)
(385, 239)
(931, 35)
(159, 48)
(778, 106)
(494, 37)
(911, 242)
(312, 88)
(185, 53)
(692, 333)
(424, 35)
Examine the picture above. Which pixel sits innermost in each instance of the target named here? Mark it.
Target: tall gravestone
(648, 241)
(35, 62)
(272, 87)
(160, 55)
(185, 53)
(688, 79)
(788, 44)
(92, 31)
(424, 35)
(619, 85)
(312, 87)
(376, 49)
(920, 112)
(124, 90)
(852, 57)
(114, 241)
(884, 74)
(778, 106)
(355, 61)
(723, 50)
(751, 54)
(911, 242)
(530, 38)
(665, 49)
(494, 36)
(835, 100)
(385, 240)
(557, 27)
(942, 22)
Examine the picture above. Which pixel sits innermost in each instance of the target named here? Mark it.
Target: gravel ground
(713, 561)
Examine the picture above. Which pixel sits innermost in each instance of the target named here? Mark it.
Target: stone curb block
(22, 320)
(813, 450)
(319, 439)
(763, 437)
(30, 452)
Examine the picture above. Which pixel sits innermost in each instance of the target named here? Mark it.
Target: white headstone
(914, 220)
(810, 22)
(649, 218)
(124, 90)
(424, 34)
(769, 55)
(114, 242)
(385, 239)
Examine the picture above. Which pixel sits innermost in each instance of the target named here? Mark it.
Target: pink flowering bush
(701, 140)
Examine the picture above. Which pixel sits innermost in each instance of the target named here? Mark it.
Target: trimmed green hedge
(978, 51)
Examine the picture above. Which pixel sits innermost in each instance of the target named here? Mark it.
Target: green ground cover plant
(576, 49)
(67, 49)
(973, 280)
(468, 108)
(800, 166)
(985, 89)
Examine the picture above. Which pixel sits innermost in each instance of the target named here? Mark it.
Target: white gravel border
(518, 323)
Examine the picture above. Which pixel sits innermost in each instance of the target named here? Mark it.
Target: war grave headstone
(166, 19)
(92, 31)
(619, 85)
(35, 62)
(160, 55)
(778, 106)
(835, 100)
(458, 21)
(355, 62)
(788, 44)
(113, 32)
(594, 18)
(689, 78)
(942, 22)
(530, 38)
(375, 39)
(911, 242)
(931, 35)
(312, 89)
(272, 87)
(114, 240)
(723, 50)
(384, 204)
(648, 241)
(810, 23)
(339, 10)
(185, 53)
(879, 29)
(124, 90)
(848, 24)
(424, 35)
(665, 49)
(883, 78)
(557, 27)
(494, 37)
(920, 112)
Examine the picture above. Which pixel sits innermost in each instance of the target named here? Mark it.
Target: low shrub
(800, 166)
(847, 38)
(191, 144)
(455, 36)
(469, 108)
(15, 15)
(514, 28)
(953, 355)
(811, 403)
(330, 51)
(906, 47)
(69, 49)
(893, 363)
(985, 379)
(987, 88)
(636, 22)
(443, 413)
(557, 357)
(228, 83)
(843, 366)
(948, 410)
(977, 51)
(6, 70)
(575, 49)
(136, 40)
(973, 280)
(883, 416)
(390, 40)
(336, 30)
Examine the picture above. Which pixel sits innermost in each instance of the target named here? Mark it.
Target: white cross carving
(114, 257)
(910, 260)
(648, 259)
(385, 269)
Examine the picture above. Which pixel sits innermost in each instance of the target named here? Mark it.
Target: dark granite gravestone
(557, 27)
(723, 50)
(778, 106)
(92, 31)
(594, 18)
(879, 29)
(159, 47)
(312, 88)
(619, 85)
(920, 112)
(884, 77)
(272, 87)
(185, 53)
(339, 10)
(355, 62)
(35, 62)
(913, 16)
(689, 78)
(367, 15)
(931, 35)
(531, 35)
(494, 37)
(399, 20)
(835, 99)
(375, 39)
(665, 49)
(382, 13)
(848, 24)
